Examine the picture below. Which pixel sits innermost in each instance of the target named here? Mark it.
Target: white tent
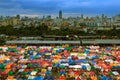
(75, 66)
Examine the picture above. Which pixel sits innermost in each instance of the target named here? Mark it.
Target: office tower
(43, 17)
(82, 16)
(48, 17)
(60, 14)
(103, 15)
(18, 16)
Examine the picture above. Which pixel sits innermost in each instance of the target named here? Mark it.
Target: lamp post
(80, 39)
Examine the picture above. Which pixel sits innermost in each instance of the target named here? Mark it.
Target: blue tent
(93, 62)
(115, 66)
(48, 72)
(63, 61)
(58, 50)
(28, 72)
(39, 53)
(38, 78)
(72, 62)
(94, 57)
(6, 61)
(109, 78)
(48, 78)
(108, 48)
(30, 52)
(82, 61)
(31, 57)
(19, 46)
(22, 79)
(103, 77)
(86, 51)
(83, 67)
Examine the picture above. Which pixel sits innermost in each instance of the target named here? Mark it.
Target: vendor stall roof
(96, 41)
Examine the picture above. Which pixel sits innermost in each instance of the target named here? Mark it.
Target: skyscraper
(103, 16)
(82, 16)
(60, 14)
(18, 16)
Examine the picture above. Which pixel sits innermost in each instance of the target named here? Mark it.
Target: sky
(39, 8)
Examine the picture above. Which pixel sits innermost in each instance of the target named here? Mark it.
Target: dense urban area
(100, 26)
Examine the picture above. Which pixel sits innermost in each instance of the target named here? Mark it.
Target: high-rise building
(48, 17)
(103, 15)
(60, 14)
(117, 20)
(82, 16)
(18, 16)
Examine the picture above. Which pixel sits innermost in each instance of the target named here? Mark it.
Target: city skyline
(39, 8)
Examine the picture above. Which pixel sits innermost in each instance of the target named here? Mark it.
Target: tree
(83, 24)
(2, 41)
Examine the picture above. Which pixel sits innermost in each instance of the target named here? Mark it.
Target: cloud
(8, 4)
(10, 7)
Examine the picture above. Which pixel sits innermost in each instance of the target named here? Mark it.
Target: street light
(80, 39)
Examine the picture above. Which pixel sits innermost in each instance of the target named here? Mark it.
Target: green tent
(24, 46)
(2, 66)
(29, 65)
(92, 67)
(2, 70)
(62, 66)
(69, 48)
(10, 73)
(13, 49)
(26, 56)
(110, 73)
(36, 57)
(35, 70)
(1, 49)
(23, 73)
(60, 46)
(38, 49)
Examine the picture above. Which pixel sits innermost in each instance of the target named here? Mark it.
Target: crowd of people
(61, 62)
